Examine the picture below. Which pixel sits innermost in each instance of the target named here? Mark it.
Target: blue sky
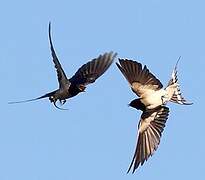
(96, 138)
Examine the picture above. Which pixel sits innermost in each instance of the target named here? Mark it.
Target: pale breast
(153, 100)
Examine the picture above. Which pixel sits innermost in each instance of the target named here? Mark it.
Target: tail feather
(179, 99)
(177, 96)
(174, 78)
(41, 97)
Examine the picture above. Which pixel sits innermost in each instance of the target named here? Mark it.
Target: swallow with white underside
(86, 74)
(152, 102)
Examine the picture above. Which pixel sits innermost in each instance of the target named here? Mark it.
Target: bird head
(137, 104)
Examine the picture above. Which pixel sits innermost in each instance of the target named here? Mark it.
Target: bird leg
(54, 100)
(62, 101)
(58, 107)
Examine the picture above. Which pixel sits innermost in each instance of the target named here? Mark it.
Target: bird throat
(137, 104)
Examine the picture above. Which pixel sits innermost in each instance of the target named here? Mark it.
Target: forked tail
(41, 97)
(177, 96)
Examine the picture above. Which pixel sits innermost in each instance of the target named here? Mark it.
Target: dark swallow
(86, 74)
(152, 100)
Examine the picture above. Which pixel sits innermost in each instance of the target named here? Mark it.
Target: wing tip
(141, 155)
(49, 24)
(108, 57)
(49, 28)
(49, 35)
(118, 65)
(112, 55)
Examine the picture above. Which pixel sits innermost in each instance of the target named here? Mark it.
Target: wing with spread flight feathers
(140, 79)
(62, 79)
(150, 129)
(90, 71)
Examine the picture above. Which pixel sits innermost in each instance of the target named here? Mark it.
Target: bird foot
(62, 101)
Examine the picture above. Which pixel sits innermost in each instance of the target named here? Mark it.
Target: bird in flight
(152, 102)
(85, 75)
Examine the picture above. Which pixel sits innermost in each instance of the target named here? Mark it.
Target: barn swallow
(152, 102)
(85, 75)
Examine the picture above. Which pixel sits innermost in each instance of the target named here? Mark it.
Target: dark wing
(150, 129)
(141, 80)
(90, 71)
(62, 79)
(177, 96)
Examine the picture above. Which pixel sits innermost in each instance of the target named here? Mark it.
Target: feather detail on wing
(90, 71)
(140, 79)
(62, 79)
(150, 129)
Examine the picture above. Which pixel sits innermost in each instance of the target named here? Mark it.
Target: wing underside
(89, 72)
(150, 129)
(140, 79)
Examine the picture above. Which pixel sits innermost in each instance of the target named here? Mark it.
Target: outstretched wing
(177, 96)
(90, 71)
(62, 79)
(140, 80)
(150, 129)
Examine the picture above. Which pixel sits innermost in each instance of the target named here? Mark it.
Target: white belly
(153, 99)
